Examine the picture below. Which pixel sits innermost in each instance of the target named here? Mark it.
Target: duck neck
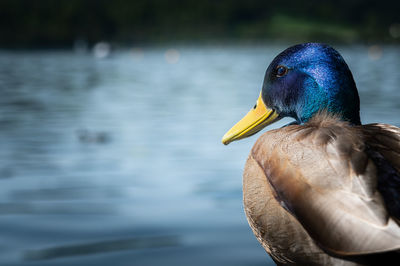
(333, 95)
(345, 112)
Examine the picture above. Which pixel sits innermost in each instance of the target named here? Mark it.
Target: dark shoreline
(46, 24)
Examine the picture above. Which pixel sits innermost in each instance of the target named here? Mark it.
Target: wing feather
(327, 179)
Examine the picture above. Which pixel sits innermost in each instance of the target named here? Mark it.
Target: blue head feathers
(308, 78)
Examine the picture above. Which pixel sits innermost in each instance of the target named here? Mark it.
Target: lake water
(119, 161)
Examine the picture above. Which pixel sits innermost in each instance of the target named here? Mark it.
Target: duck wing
(385, 139)
(324, 175)
(384, 147)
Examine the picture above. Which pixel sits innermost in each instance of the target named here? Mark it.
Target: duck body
(311, 193)
(325, 191)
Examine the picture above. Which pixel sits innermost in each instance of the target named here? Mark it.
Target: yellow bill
(255, 120)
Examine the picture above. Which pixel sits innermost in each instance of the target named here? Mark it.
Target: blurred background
(112, 113)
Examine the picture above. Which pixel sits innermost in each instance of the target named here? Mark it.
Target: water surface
(119, 161)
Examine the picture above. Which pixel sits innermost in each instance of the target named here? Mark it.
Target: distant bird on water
(324, 190)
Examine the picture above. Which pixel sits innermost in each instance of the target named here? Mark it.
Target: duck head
(300, 82)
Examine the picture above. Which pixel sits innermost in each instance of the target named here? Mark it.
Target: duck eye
(281, 71)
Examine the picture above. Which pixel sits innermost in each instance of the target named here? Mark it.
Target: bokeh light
(172, 56)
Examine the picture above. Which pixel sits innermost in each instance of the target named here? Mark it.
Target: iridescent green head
(300, 82)
(308, 78)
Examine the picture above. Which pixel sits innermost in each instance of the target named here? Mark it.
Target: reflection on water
(119, 160)
(101, 247)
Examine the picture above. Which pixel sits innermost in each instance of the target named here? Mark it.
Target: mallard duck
(324, 190)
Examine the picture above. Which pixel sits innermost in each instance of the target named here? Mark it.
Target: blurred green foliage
(51, 23)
